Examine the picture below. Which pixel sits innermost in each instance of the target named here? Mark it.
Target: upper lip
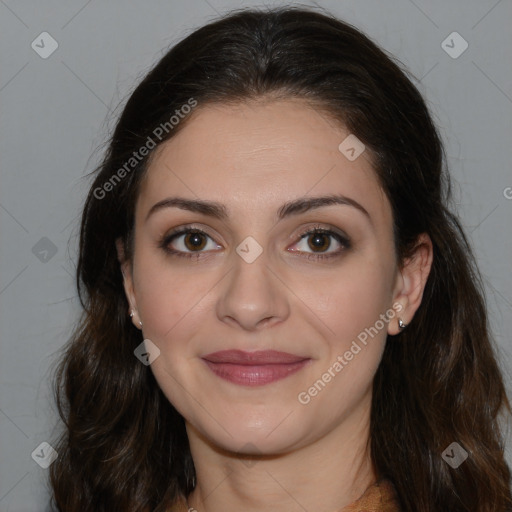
(253, 358)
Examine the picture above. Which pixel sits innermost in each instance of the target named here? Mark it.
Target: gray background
(56, 113)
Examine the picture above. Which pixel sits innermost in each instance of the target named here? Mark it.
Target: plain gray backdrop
(57, 110)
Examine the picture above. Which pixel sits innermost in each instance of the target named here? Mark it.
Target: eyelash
(343, 241)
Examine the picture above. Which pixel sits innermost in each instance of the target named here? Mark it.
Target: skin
(253, 158)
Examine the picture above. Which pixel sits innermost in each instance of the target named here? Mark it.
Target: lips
(253, 358)
(254, 368)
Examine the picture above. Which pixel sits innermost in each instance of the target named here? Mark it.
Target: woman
(280, 310)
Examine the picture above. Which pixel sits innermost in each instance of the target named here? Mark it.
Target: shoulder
(380, 497)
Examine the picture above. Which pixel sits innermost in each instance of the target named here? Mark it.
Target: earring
(401, 324)
(131, 316)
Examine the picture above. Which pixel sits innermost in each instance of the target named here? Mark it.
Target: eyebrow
(219, 211)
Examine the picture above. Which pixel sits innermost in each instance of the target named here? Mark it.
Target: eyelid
(185, 228)
(322, 228)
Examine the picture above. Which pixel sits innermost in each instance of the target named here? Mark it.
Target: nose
(252, 296)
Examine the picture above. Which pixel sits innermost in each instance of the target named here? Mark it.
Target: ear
(126, 270)
(410, 282)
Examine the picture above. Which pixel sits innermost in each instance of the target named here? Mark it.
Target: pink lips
(254, 368)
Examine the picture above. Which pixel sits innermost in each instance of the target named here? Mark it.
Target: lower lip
(255, 375)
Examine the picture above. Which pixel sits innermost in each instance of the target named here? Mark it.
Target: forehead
(256, 155)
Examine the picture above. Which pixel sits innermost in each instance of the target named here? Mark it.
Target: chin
(261, 437)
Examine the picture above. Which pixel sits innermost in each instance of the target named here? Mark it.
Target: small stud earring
(401, 324)
(132, 313)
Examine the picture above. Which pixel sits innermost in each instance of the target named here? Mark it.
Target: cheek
(344, 373)
(173, 306)
(352, 299)
(351, 304)
(170, 302)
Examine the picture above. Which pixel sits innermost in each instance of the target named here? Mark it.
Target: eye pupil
(195, 240)
(319, 241)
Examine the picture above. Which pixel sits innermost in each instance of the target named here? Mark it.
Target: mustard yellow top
(380, 497)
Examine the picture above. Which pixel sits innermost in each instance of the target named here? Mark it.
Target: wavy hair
(123, 446)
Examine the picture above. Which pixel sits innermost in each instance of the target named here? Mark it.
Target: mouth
(254, 368)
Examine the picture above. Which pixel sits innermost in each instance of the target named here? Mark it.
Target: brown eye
(188, 242)
(194, 241)
(319, 242)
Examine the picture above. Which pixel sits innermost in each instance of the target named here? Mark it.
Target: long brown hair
(123, 445)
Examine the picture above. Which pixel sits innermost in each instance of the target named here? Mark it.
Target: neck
(325, 475)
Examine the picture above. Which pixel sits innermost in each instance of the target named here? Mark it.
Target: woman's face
(255, 281)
